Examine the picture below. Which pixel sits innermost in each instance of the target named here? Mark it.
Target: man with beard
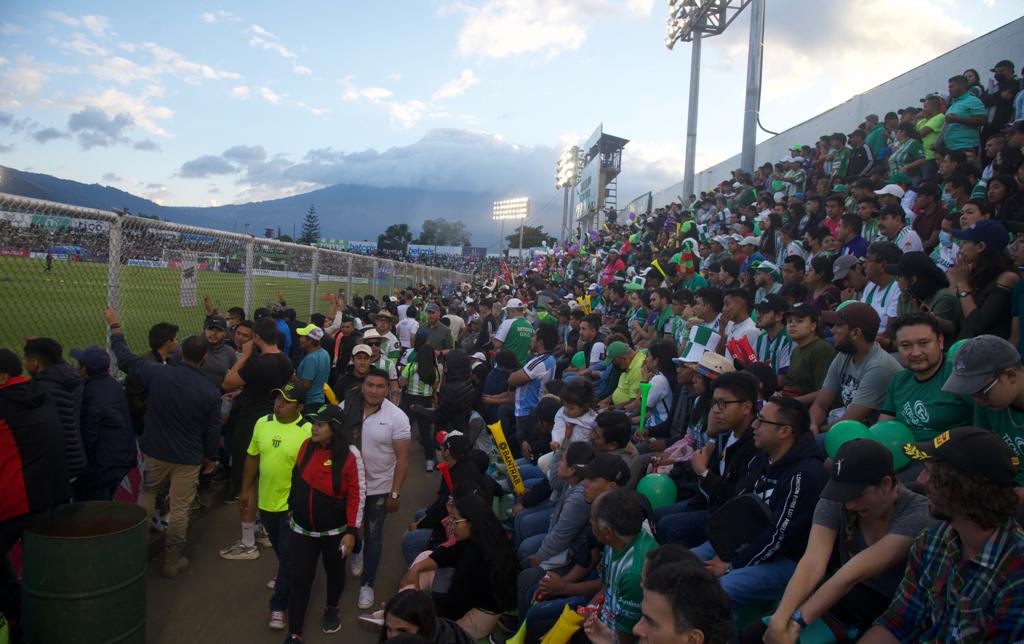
(859, 374)
(882, 292)
(964, 579)
(915, 396)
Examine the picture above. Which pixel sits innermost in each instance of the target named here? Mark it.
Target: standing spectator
(383, 321)
(32, 466)
(983, 278)
(862, 158)
(384, 437)
(219, 354)
(182, 428)
(439, 335)
(325, 507)
(998, 100)
(928, 126)
(407, 326)
(875, 138)
(528, 383)
(314, 368)
(419, 380)
(973, 558)
(107, 435)
(163, 342)
(515, 333)
(964, 116)
(908, 155)
(352, 377)
(44, 361)
(454, 402)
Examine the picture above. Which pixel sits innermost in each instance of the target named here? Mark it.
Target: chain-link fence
(60, 265)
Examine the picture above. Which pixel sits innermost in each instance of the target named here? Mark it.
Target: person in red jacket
(33, 470)
(326, 502)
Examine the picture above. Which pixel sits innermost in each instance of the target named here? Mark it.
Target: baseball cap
(433, 308)
(478, 356)
(312, 331)
(362, 348)
(898, 177)
(614, 350)
(750, 239)
(856, 314)
(773, 302)
(972, 450)
(328, 414)
(768, 267)
(609, 467)
(841, 267)
(93, 358)
(977, 360)
(456, 442)
(803, 310)
(990, 231)
(514, 303)
(216, 321)
(858, 463)
(891, 189)
(712, 365)
(292, 392)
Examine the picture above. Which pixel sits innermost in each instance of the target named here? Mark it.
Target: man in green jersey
(915, 396)
(773, 346)
(515, 333)
(276, 439)
(988, 369)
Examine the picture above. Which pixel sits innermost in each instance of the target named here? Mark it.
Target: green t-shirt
(923, 406)
(620, 572)
(629, 381)
(277, 444)
(693, 282)
(935, 125)
(808, 366)
(1009, 424)
(516, 337)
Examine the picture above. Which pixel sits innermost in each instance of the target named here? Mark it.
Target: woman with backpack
(326, 503)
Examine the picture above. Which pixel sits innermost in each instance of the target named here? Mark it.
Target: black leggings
(302, 556)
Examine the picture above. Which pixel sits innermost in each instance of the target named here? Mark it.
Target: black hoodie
(457, 396)
(790, 487)
(65, 387)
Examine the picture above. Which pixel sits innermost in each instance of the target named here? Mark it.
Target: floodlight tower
(566, 176)
(690, 21)
(518, 208)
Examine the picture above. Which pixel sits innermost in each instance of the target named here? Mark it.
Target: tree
(395, 237)
(441, 232)
(533, 236)
(285, 238)
(310, 227)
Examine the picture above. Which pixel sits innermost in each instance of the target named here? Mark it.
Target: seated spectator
(551, 549)
(859, 375)
(482, 585)
(930, 214)
(736, 322)
(915, 396)
(630, 362)
(660, 373)
(575, 420)
(682, 603)
(611, 435)
(44, 361)
(882, 292)
(892, 228)
(849, 237)
(787, 474)
(983, 278)
(962, 576)
(1006, 198)
(925, 289)
(872, 520)
(822, 294)
(411, 612)
(773, 347)
(811, 356)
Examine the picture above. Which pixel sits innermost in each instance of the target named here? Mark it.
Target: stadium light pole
(690, 21)
(566, 176)
(518, 208)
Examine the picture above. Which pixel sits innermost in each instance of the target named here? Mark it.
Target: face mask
(946, 239)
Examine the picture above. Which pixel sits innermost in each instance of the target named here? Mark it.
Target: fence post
(373, 277)
(314, 279)
(348, 292)
(250, 252)
(114, 266)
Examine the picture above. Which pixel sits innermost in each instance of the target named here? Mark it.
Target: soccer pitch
(67, 303)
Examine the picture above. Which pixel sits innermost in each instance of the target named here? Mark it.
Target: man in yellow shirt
(630, 362)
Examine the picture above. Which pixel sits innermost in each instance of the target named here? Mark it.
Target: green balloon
(894, 435)
(578, 359)
(951, 352)
(843, 431)
(777, 185)
(659, 489)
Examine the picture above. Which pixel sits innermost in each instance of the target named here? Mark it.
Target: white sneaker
(430, 465)
(372, 622)
(355, 563)
(272, 583)
(365, 597)
(277, 622)
(238, 551)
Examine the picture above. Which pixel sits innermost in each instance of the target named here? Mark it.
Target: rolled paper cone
(445, 474)
(645, 390)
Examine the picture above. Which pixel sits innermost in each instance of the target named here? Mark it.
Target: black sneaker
(332, 620)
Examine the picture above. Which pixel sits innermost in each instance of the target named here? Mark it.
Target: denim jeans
(763, 582)
(414, 542)
(686, 528)
(530, 545)
(280, 533)
(373, 535)
(531, 521)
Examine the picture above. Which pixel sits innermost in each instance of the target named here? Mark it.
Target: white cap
(515, 303)
(479, 356)
(362, 348)
(750, 240)
(891, 189)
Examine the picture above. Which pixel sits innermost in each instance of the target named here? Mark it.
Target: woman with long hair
(661, 374)
(925, 288)
(484, 567)
(983, 278)
(770, 243)
(419, 381)
(326, 501)
(411, 612)
(821, 292)
(1006, 199)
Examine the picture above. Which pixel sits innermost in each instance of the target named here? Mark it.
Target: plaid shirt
(942, 598)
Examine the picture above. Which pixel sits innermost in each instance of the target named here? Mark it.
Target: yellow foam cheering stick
(506, 456)
(329, 394)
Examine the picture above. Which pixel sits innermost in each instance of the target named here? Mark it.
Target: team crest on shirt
(276, 442)
(327, 463)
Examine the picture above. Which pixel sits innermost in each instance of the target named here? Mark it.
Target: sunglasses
(372, 344)
(983, 394)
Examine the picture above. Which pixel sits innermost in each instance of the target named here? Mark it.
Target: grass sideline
(67, 303)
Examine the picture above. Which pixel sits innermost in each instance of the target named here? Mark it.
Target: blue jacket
(183, 411)
(107, 434)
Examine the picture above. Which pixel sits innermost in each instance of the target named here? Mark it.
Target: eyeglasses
(458, 521)
(983, 394)
(764, 421)
(720, 404)
(372, 344)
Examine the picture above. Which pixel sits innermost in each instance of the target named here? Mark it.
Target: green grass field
(67, 303)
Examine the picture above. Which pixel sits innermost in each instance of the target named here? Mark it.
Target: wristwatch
(395, 495)
(798, 617)
(964, 293)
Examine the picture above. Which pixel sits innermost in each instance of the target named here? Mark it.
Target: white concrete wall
(906, 89)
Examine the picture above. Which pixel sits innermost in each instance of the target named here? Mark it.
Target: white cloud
(112, 102)
(240, 91)
(23, 81)
(456, 86)
(217, 16)
(354, 93)
(63, 18)
(168, 61)
(98, 25)
(270, 95)
(79, 44)
(10, 28)
(121, 70)
(263, 39)
(261, 31)
(406, 114)
(276, 47)
(302, 70)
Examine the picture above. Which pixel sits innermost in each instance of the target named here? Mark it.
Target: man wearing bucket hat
(988, 369)
(963, 578)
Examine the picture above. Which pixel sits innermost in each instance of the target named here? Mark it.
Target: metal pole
(373, 276)
(114, 265)
(572, 207)
(250, 252)
(501, 240)
(753, 99)
(348, 293)
(314, 279)
(565, 216)
(521, 227)
(691, 116)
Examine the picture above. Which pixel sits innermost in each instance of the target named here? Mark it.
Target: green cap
(840, 188)
(614, 350)
(898, 177)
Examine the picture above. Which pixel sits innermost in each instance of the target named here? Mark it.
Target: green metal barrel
(85, 575)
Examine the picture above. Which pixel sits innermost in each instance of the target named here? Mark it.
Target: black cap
(858, 463)
(913, 263)
(292, 393)
(972, 450)
(216, 321)
(547, 408)
(610, 467)
(1003, 63)
(773, 302)
(803, 310)
(328, 414)
(457, 444)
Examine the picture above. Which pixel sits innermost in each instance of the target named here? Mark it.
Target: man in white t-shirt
(407, 326)
(736, 310)
(403, 309)
(882, 292)
(457, 325)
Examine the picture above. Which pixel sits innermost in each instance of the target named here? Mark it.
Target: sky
(227, 102)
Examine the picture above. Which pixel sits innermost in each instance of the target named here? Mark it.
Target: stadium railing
(61, 264)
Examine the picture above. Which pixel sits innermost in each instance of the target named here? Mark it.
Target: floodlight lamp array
(517, 208)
